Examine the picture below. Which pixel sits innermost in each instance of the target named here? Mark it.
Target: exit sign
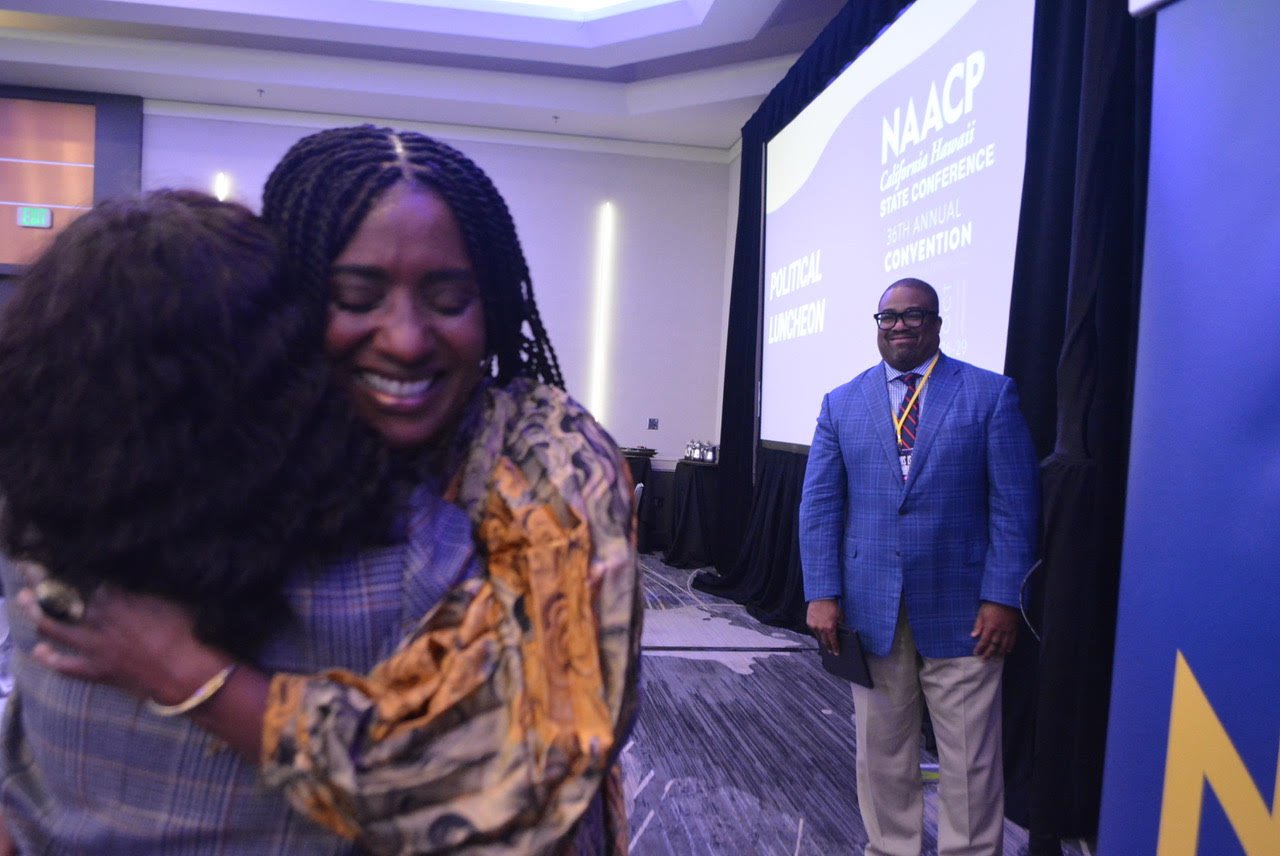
(35, 218)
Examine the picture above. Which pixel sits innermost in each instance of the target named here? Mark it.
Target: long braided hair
(326, 184)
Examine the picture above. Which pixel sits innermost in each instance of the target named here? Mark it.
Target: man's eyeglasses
(911, 319)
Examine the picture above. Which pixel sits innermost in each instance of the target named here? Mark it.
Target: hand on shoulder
(142, 644)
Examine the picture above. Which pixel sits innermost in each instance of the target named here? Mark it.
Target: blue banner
(1193, 747)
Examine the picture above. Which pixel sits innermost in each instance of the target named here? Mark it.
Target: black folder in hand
(851, 662)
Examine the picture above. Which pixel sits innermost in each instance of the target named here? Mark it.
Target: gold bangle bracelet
(206, 691)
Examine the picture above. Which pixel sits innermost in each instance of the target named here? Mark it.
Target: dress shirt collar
(891, 374)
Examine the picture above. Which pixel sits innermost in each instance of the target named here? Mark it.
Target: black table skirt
(766, 576)
(693, 515)
(642, 473)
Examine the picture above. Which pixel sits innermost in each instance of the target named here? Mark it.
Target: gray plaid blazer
(87, 769)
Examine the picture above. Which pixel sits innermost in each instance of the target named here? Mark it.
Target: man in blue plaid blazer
(917, 524)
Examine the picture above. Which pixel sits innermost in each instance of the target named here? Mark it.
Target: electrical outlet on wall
(653, 423)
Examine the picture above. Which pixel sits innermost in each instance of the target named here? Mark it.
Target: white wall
(665, 355)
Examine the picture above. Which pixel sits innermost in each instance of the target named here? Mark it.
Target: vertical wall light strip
(221, 186)
(602, 311)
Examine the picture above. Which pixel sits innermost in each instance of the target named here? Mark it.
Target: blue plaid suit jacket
(961, 529)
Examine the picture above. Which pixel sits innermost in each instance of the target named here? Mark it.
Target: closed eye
(450, 294)
(357, 289)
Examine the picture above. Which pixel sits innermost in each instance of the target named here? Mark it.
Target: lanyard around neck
(899, 421)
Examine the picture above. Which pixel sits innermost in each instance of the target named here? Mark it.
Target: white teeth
(397, 388)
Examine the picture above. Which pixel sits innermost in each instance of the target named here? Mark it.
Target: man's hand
(995, 628)
(823, 618)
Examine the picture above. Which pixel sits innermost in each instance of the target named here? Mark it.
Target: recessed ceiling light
(549, 8)
(570, 5)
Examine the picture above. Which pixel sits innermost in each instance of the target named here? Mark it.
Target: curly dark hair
(167, 419)
(321, 191)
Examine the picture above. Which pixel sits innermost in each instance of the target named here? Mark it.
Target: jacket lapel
(941, 395)
(877, 398)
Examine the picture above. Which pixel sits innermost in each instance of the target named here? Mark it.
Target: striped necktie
(912, 419)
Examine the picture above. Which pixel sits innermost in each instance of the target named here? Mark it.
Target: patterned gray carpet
(744, 745)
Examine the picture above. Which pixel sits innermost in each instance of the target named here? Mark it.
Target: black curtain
(766, 577)
(1073, 323)
(1072, 339)
(1085, 477)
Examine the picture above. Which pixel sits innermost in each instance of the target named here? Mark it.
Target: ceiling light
(577, 5)
(546, 8)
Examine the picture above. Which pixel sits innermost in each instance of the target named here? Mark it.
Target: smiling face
(901, 347)
(406, 321)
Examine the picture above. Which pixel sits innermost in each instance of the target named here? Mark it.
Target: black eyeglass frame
(920, 316)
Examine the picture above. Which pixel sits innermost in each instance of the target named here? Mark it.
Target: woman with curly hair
(168, 425)
(495, 725)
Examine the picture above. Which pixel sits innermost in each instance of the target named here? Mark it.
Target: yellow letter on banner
(1200, 750)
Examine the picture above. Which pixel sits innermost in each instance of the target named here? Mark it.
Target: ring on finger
(59, 601)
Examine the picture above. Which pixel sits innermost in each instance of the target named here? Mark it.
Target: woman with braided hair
(494, 725)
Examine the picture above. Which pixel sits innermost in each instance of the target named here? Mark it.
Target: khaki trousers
(963, 694)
